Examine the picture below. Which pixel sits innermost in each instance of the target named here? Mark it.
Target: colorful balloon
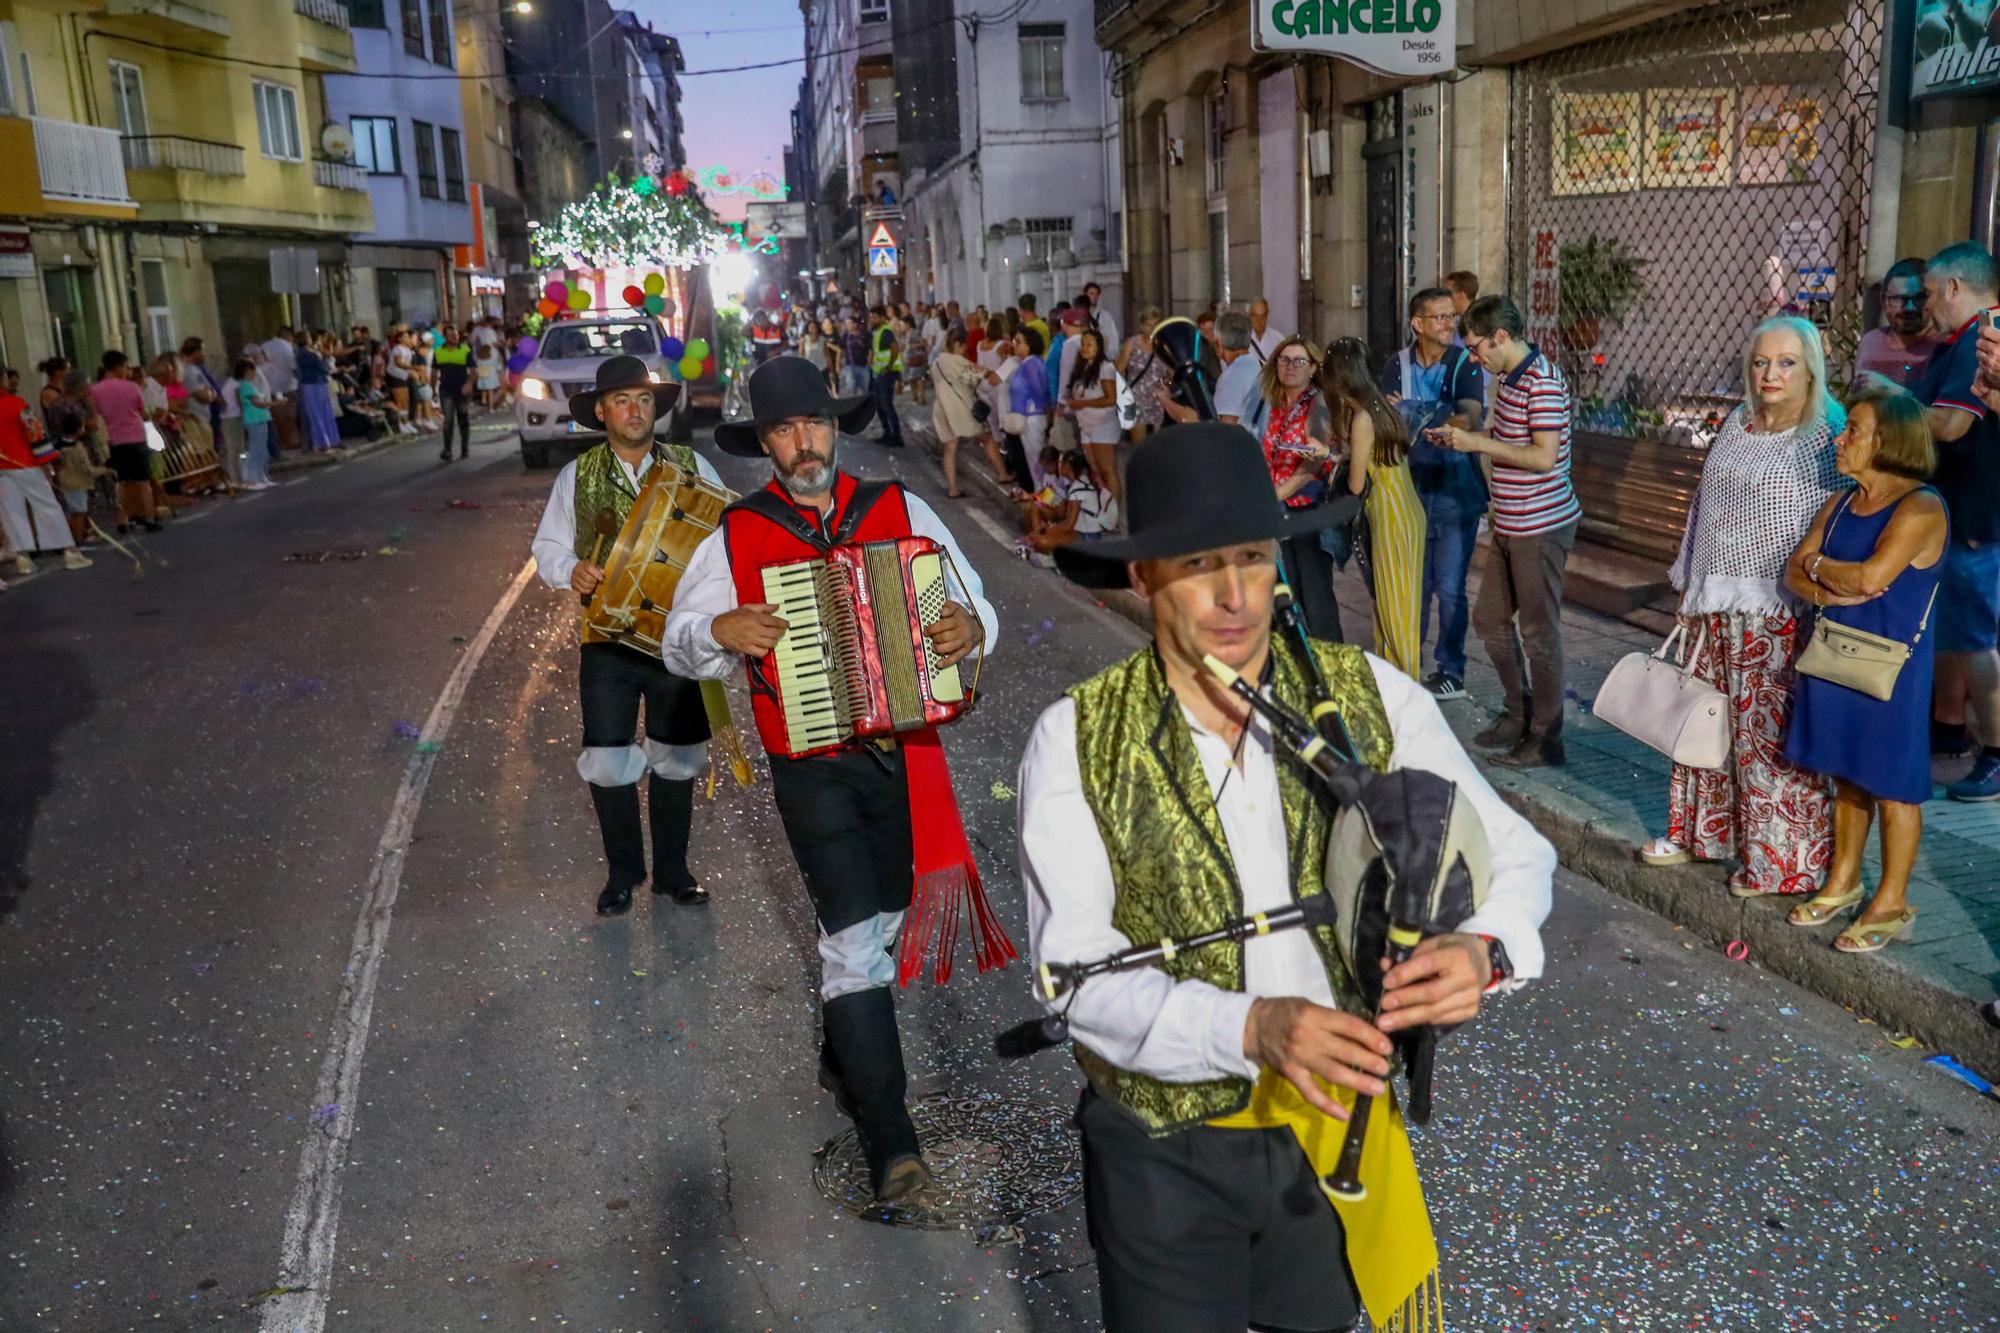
(672, 349)
(528, 346)
(579, 299)
(690, 367)
(634, 296)
(667, 305)
(708, 366)
(557, 291)
(698, 348)
(655, 283)
(654, 304)
(546, 308)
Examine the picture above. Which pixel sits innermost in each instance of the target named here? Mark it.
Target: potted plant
(1597, 279)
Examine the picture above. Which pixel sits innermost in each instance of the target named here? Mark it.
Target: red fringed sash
(947, 889)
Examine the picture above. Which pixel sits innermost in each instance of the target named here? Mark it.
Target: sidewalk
(1612, 796)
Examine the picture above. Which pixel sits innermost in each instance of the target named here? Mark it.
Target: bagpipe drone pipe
(1179, 345)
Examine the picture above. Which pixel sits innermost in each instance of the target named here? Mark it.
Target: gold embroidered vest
(601, 484)
(1143, 781)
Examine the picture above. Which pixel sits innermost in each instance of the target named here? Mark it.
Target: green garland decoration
(618, 225)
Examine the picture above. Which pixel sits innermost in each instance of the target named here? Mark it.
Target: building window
(874, 11)
(413, 27)
(377, 150)
(427, 162)
(454, 165)
(1045, 236)
(1218, 258)
(277, 121)
(1215, 110)
(17, 81)
(1042, 62)
(367, 14)
(159, 310)
(128, 95)
(440, 31)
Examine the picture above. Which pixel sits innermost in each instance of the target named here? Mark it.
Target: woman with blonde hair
(1767, 474)
(1871, 562)
(1145, 374)
(1377, 446)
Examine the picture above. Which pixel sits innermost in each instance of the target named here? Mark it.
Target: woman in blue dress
(315, 397)
(1872, 561)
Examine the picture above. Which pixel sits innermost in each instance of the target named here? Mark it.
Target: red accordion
(854, 663)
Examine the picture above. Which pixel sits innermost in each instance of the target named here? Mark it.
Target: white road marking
(991, 527)
(305, 1261)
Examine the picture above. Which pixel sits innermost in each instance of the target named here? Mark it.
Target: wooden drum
(672, 515)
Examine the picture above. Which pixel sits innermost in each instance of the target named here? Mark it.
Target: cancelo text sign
(1405, 37)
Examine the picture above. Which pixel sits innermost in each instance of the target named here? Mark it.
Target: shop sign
(1395, 37)
(1954, 57)
(17, 255)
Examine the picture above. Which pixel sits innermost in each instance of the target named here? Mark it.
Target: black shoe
(445, 457)
(896, 443)
(1505, 733)
(462, 454)
(1533, 752)
(615, 900)
(1444, 688)
(150, 524)
(905, 1177)
(868, 1053)
(1951, 742)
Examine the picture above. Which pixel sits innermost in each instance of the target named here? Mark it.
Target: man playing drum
(586, 511)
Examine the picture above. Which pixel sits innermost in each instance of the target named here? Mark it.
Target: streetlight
(625, 134)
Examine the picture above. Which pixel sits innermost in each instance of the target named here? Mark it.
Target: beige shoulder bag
(1855, 658)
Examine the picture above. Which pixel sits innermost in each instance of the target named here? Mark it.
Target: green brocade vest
(1143, 781)
(601, 484)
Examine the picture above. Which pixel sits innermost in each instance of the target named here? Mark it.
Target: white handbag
(1653, 699)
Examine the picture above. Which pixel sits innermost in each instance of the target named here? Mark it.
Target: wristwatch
(1503, 966)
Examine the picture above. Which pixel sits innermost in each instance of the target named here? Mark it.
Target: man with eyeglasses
(866, 822)
(1901, 347)
(1435, 382)
(587, 508)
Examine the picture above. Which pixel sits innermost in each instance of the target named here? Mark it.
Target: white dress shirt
(708, 589)
(1107, 328)
(555, 538)
(1266, 343)
(281, 365)
(1188, 1031)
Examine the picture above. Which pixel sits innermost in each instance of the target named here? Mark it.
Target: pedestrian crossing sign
(882, 261)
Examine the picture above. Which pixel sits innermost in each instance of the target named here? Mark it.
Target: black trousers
(847, 816)
(458, 409)
(1210, 1230)
(615, 678)
(1309, 570)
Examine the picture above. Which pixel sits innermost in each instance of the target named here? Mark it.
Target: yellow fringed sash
(1390, 1248)
(724, 737)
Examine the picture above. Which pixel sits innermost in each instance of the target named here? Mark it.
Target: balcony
(338, 175)
(80, 164)
(176, 19)
(176, 152)
(333, 13)
(878, 137)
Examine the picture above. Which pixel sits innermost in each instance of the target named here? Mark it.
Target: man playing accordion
(1155, 806)
(868, 821)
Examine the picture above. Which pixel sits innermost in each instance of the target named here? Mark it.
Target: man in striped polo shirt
(1534, 516)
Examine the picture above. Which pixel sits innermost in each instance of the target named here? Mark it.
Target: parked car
(566, 363)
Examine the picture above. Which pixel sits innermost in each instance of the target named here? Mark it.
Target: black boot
(861, 1029)
(670, 812)
(830, 1077)
(624, 845)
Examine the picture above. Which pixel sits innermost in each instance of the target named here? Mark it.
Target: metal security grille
(1674, 184)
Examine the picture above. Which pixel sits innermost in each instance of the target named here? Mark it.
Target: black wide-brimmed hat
(621, 372)
(785, 387)
(1193, 488)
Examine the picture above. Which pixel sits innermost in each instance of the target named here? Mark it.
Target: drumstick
(607, 526)
(1345, 1182)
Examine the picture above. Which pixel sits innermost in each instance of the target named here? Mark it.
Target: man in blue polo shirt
(1961, 283)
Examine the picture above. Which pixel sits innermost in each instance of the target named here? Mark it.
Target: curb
(1693, 897)
(347, 453)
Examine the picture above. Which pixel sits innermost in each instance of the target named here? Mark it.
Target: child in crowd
(1087, 511)
(487, 366)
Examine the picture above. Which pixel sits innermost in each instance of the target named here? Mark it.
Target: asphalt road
(562, 1122)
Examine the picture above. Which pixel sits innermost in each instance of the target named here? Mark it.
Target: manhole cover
(996, 1160)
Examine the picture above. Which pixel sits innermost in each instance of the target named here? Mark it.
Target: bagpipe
(1407, 860)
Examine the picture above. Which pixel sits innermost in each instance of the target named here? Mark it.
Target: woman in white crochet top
(1765, 477)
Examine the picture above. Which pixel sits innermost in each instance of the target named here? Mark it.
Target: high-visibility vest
(888, 353)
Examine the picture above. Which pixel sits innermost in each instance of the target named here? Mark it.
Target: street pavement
(556, 1121)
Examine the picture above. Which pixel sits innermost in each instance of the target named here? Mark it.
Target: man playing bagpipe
(871, 820)
(1157, 807)
(587, 509)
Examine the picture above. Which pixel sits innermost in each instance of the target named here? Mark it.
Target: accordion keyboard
(818, 661)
